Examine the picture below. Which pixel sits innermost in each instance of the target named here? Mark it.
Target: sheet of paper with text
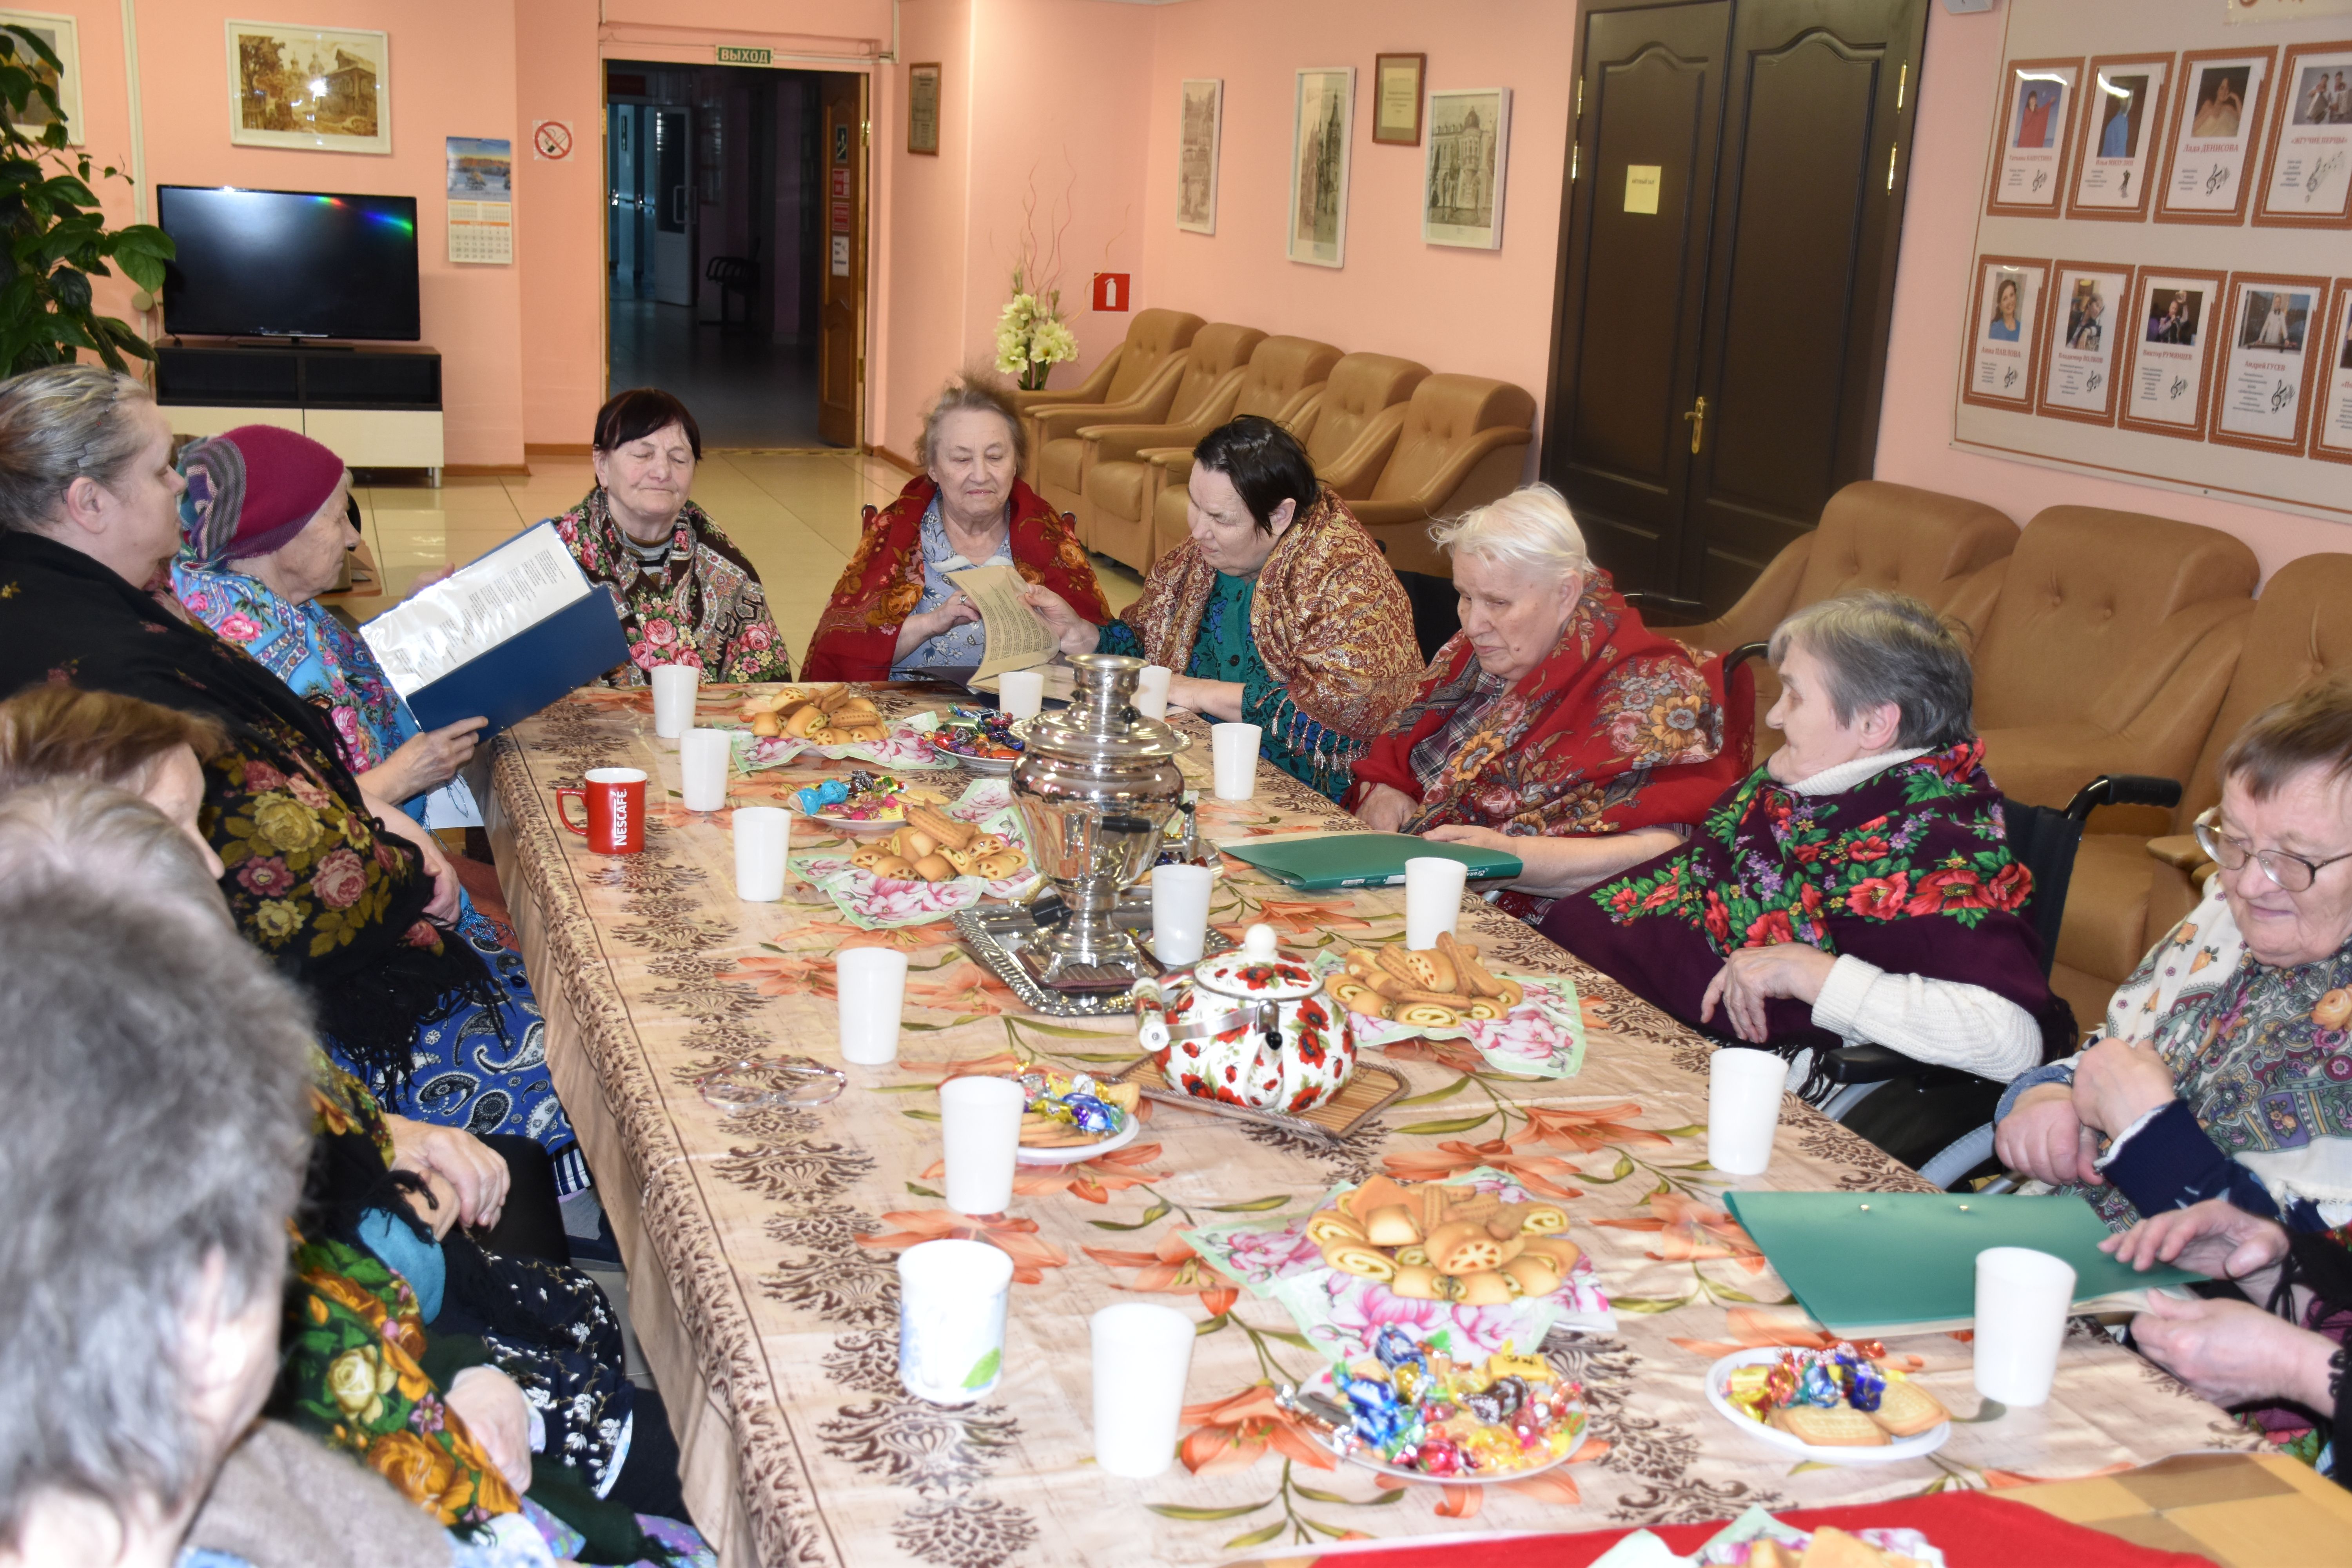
(1017, 639)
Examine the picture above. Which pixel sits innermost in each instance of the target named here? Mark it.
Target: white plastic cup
(873, 984)
(1180, 913)
(1151, 690)
(763, 837)
(1021, 692)
(1743, 1109)
(2023, 1297)
(1143, 1353)
(703, 757)
(980, 1123)
(1235, 749)
(952, 1300)
(674, 687)
(1432, 899)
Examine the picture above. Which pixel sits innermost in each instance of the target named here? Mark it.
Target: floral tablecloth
(762, 1247)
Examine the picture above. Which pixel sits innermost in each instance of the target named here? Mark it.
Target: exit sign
(730, 54)
(1110, 291)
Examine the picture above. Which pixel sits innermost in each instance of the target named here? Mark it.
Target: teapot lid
(1257, 971)
(1100, 726)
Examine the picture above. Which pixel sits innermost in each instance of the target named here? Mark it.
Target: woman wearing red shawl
(1555, 726)
(895, 613)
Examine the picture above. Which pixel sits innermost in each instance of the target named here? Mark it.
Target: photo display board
(2161, 287)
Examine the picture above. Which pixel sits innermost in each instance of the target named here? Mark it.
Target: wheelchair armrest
(2124, 789)
(1876, 1064)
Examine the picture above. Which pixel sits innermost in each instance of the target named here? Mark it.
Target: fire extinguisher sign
(1110, 291)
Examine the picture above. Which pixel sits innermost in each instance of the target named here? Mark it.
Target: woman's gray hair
(59, 423)
(1531, 528)
(981, 393)
(1877, 647)
(155, 1119)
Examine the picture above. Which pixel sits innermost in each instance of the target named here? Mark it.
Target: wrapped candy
(1090, 1114)
(818, 798)
(1866, 1388)
(1818, 1385)
(1396, 1348)
(1440, 1456)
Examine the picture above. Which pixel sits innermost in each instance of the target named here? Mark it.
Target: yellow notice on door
(1642, 186)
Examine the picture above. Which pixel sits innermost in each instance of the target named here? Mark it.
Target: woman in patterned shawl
(1279, 611)
(894, 612)
(1858, 887)
(685, 592)
(1554, 726)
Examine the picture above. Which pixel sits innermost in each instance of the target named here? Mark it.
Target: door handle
(680, 218)
(1696, 419)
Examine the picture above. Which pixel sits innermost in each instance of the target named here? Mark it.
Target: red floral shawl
(858, 636)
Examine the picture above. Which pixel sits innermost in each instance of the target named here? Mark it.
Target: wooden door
(841, 316)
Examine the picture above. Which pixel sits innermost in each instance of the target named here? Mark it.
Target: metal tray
(994, 935)
(1373, 1089)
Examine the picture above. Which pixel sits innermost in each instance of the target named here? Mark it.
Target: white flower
(1053, 343)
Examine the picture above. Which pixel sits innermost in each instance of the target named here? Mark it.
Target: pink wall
(1959, 81)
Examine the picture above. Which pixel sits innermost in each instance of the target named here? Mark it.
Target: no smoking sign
(551, 141)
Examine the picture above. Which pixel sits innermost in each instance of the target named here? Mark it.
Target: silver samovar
(1096, 785)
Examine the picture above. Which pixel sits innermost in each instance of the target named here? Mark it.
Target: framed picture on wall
(2167, 350)
(2084, 323)
(2003, 332)
(1322, 124)
(1201, 109)
(1462, 189)
(2331, 425)
(2308, 177)
(60, 33)
(2273, 322)
(2037, 131)
(322, 90)
(1396, 98)
(2122, 136)
(2215, 136)
(923, 108)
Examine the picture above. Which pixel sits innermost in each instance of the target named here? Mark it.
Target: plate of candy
(1072, 1117)
(1842, 1405)
(981, 739)
(1416, 1414)
(861, 804)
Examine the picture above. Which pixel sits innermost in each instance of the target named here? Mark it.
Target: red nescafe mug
(613, 800)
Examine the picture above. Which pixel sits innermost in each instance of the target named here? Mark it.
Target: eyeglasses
(2291, 872)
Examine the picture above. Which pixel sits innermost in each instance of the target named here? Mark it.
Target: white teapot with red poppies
(1248, 1027)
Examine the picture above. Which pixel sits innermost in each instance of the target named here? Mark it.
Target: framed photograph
(2087, 300)
(1396, 98)
(1469, 146)
(923, 108)
(2169, 348)
(1199, 124)
(2307, 178)
(2215, 136)
(1322, 124)
(64, 42)
(2273, 325)
(2003, 332)
(2122, 136)
(323, 89)
(2331, 427)
(2037, 131)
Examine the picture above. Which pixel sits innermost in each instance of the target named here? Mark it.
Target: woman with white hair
(1556, 726)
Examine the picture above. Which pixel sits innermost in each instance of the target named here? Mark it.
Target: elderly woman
(1555, 726)
(895, 614)
(1855, 887)
(2226, 1071)
(342, 889)
(685, 592)
(1278, 610)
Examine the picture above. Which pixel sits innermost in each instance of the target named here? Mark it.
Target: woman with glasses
(2226, 1071)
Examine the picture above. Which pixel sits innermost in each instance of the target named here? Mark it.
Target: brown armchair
(1151, 338)
(1461, 446)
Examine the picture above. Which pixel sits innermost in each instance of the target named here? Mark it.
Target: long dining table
(760, 1245)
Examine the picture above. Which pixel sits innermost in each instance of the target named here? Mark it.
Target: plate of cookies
(774, 728)
(1073, 1119)
(1839, 1406)
(925, 861)
(1531, 1025)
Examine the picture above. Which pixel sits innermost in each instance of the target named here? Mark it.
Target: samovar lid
(1100, 724)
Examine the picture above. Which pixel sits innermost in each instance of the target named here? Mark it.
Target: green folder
(1866, 1265)
(1364, 860)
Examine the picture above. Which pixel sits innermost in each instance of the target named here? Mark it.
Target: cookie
(1841, 1426)
(1907, 1409)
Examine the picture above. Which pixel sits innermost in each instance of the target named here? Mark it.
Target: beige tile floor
(795, 513)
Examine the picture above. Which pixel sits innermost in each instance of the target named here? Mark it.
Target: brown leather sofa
(1348, 431)
(1123, 389)
(2129, 889)
(1212, 366)
(1463, 443)
(1122, 485)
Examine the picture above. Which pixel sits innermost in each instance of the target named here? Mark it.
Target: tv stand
(378, 405)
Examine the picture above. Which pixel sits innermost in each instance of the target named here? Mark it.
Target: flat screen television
(289, 264)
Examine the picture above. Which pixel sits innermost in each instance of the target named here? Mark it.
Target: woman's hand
(2044, 1137)
(2215, 1237)
(1072, 630)
(427, 578)
(918, 629)
(436, 1207)
(472, 1167)
(1557, 868)
(446, 891)
(1386, 808)
(2116, 1083)
(496, 1413)
(425, 761)
(1754, 975)
(2233, 1352)
(1217, 699)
